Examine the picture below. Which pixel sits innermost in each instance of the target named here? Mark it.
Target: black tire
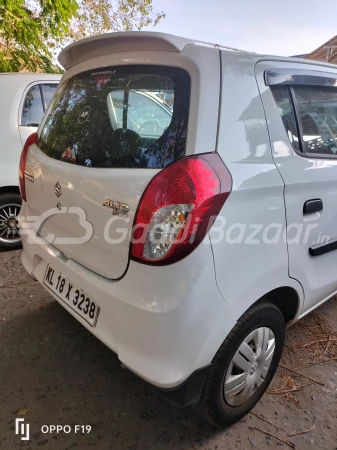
(213, 404)
(9, 199)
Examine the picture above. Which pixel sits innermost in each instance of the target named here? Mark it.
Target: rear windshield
(128, 116)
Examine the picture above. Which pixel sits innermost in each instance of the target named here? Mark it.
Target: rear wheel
(10, 205)
(244, 365)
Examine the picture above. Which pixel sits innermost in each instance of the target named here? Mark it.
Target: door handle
(312, 206)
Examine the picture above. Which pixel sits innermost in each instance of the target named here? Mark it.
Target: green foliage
(99, 16)
(33, 31)
(30, 30)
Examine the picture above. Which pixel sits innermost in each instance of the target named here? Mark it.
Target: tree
(33, 31)
(29, 30)
(100, 16)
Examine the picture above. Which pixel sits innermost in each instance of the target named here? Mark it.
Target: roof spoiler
(120, 42)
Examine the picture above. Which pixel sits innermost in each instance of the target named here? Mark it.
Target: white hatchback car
(173, 204)
(24, 98)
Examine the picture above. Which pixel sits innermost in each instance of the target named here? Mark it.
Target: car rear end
(120, 186)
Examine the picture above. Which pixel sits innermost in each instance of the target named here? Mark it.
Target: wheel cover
(249, 367)
(9, 230)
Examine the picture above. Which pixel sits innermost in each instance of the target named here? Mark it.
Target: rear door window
(127, 116)
(312, 124)
(317, 110)
(32, 111)
(48, 92)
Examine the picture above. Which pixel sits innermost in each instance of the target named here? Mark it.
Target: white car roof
(15, 80)
(34, 76)
(152, 41)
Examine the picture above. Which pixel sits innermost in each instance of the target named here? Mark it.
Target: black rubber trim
(42, 98)
(300, 77)
(189, 392)
(312, 206)
(320, 249)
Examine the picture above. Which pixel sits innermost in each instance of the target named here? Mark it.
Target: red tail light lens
(178, 208)
(32, 139)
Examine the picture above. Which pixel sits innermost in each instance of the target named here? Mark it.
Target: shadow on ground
(57, 370)
(7, 250)
(54, 372)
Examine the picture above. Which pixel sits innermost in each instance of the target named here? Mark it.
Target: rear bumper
(164, 323)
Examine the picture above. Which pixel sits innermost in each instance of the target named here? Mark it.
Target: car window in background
(147, 114)
(32, 111)
(48, 92)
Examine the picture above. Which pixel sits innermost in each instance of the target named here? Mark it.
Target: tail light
(32, 139)
(178, 208)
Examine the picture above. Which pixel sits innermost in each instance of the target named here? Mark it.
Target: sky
(287, 27)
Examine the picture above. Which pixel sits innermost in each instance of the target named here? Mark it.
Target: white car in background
(25, 97)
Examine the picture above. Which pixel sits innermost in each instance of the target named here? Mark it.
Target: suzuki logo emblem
(58, 189)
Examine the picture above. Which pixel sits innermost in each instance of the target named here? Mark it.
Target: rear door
(105, 136)
(301, 108)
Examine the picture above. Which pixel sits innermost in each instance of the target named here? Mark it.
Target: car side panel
(250, 259)
(305, 178)
(10, 144)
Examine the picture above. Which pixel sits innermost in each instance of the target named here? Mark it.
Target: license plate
(72, 295)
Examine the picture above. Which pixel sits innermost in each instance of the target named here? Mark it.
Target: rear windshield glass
(129, 116)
